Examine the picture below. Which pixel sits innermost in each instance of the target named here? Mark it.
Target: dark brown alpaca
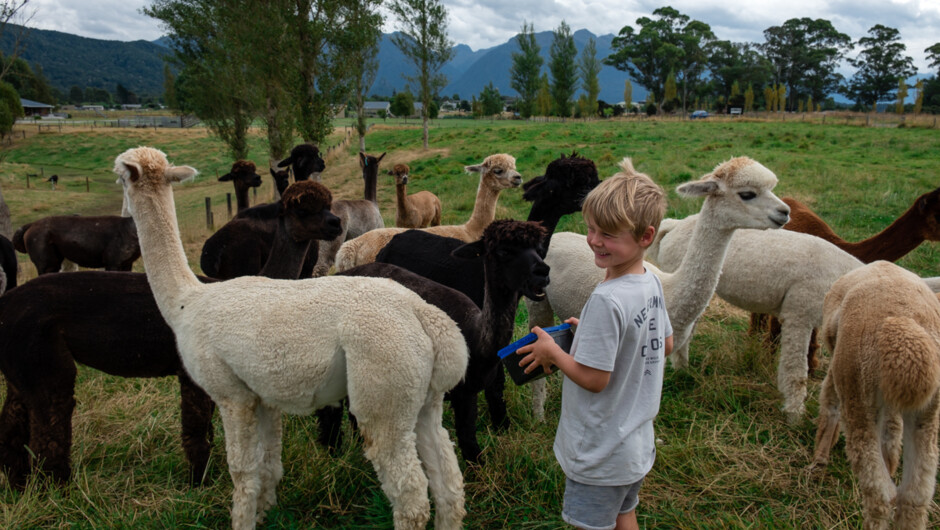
(8, 264)
(110, 322)
(244, 175)
(358, 215)
(305, 162)
(108, 242)
(921, 222)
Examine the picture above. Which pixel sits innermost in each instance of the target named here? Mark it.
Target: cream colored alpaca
(255, 365)
(497, 172)
(882, 325)
(737, 195)
(417, 210)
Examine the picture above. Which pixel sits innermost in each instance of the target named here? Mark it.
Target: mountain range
(70, 60)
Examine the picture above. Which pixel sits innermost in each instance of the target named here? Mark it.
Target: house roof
(373, 105)
(28, 103)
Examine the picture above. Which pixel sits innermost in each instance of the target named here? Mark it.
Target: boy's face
(619, 253)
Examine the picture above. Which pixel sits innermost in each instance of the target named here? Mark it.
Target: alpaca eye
(746, 195)
(498, 171)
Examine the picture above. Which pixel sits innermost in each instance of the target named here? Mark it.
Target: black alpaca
(510, 253)
(107, 241)
(244, 175)
(110, 322)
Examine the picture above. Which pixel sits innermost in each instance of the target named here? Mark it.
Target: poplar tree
(749, 98)
(524, 74)
(919, 101)
(902, 94)
(563, 69)
(424, 42)
(628, 93)
(543, 101)
(590, 66)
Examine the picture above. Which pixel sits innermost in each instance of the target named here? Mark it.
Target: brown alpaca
(417, 210)
(882, 325)
(244, 175)
(106, 241)
(921, 222)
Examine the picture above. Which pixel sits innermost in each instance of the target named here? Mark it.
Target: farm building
(35, 108)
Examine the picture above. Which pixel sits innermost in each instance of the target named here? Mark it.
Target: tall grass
(727, 457)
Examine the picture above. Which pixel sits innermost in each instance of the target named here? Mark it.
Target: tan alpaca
(417, 210)
(882, 325)
(497, 172)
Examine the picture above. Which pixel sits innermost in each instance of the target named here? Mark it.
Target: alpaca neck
(892, 243)
(696, 279)
(286, 258)
(548, 219)
(241, 199)
(400, 196)
(161, 249)
(370, 177)
(498, 311)
(484, 209)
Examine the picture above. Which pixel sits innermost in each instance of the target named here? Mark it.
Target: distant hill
(69, 60)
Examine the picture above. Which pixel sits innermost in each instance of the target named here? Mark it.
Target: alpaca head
(305, 208)
(497, 172)
(739, 195)
(928, 206)
(400, 172)
(304, 161)
(369, 164)
(146, 171)
(281, 179)
(561, 190)
(513, 250)
(244, 175)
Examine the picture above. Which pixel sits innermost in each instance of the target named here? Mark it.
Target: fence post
(228, 201)
(86, 185)
(209, 213)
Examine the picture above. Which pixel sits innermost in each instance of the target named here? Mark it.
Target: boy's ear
(468, 251)
(647, 238)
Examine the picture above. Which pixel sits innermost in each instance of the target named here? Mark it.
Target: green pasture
(727, 457)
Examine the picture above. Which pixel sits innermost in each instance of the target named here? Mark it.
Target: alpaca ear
(697, 188)
(379, 159)
(476, 168)
(180, 173)
(130, 170)
(468, 251)
(226, 177)
(284, 163)
(273, 174)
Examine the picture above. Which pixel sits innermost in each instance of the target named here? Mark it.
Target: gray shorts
(597, 507)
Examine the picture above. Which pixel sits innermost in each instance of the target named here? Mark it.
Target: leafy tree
(28, 83)
(563, 69)
(423, 40)
(933, 55)
(491, 101)
(403, 104)
(465, 105)
(749, 98)
(671, 42)
(366, 22)
(124, 96)
(901, 95)
(10, 108)
(212, 45)
(434, 111)
(524, 74)
(589, 67)
(809, 104)
(879, 64)
(730, 62)
(919, 101)
(75, 95)
(14, 12)
(669, 93)
(781, 97)
(770, 98)
(169, 87)
(97, 95)
(804, 54)
(543, 101)
(627, 93)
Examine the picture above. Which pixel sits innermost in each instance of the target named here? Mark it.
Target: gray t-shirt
(606, 438)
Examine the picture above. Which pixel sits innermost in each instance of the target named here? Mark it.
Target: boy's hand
(572, 321)
(542, 352)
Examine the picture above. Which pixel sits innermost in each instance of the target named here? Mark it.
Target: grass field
(728, 458)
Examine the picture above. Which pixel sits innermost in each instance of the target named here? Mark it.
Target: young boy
(614, 375)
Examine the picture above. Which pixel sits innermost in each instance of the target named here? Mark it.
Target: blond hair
(628, 201)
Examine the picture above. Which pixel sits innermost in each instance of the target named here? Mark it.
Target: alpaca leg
(50, 432)
(196, 409)
(863, 447)
(493, 391)
(465, 421)
(540, 314)
(244, 455)
(920, 467)
(539, 389)
(269, 428)
(680, 356)
(812, 355)
(330, 420)
(827, 430)
(791, 366)
(327, 255)
(891, 430)
(387, 419)
(440, 464)
(14, 437)
(758, 324)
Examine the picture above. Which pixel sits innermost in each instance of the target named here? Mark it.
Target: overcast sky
(486, 23)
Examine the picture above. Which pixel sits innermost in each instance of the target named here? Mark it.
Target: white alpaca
(497, 172)
(882, 325)
(737, 195)
(371, 339)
